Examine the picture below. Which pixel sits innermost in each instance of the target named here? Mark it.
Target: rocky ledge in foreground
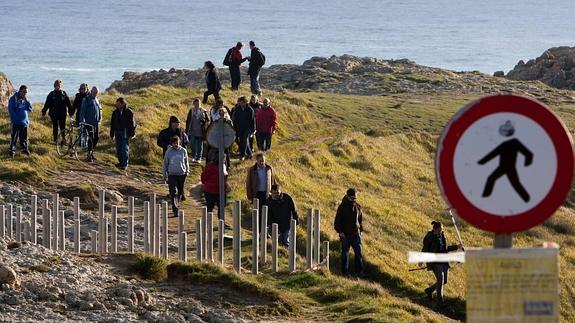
(555, 67)
(348, 74)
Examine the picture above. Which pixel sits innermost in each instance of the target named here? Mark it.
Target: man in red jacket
(235, 61)
(266, 125)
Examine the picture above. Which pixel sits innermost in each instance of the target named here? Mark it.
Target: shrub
(150, 268)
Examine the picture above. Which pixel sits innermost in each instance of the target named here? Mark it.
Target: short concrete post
(56, 220)
(34, 219)
(9, 220)
(255, 241)
(105, 236)
(61, 232)
(199, 241)
(184, 246)
(264, 235)
(94, 237)
(237, 241)
(221, 242)
(210, 238)
(153, 213)
(316, 237)
(292, 246)
(19, 224)
(205, 232)
(2, 221)
(46, 225)
(181, 228)
(165, 230)
(309, 240)
(256, 204)
(326, 254)
(146, 227)
(26, 229)
(274, 247)
(77, 232)
(156, 231)
(131, 224)
(101, 215)
(114, 229)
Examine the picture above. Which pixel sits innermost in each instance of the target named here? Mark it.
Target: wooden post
(156, 231)
(165, 230)
(199, 241)
(2, 221)
(184, 246)
(10, 214)
(274, 247)
(101, 215)
(205, 232)
(309, 240)
(55, 221)
(153, 213)
(264, 235)
(326, 254)
(61, 232)
(316, 236)
(181, 229)
(237, 240)
(502, 240)
(292, 246)
(256, 204)
(114, 229)
(77, 232)
(255, 241)
(46, 225)
(221, 241)
(210, 238)
(131, 224)
(26, 229)
(19, 223)
(146, 227)
(105, 235)
(34, 219)
(94, 237)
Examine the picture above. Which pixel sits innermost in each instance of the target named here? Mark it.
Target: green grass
(149, 267)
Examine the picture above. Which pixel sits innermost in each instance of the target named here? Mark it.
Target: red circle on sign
(526, 107)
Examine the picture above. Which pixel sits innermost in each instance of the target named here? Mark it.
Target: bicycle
(69, 144)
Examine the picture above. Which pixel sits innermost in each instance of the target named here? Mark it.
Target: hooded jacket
(91, 110)
(176, 162)
(348, 219)
(436, 244)
(164, 137)
(19, 109)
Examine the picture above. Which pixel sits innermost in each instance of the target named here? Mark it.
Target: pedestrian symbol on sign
(507, 152)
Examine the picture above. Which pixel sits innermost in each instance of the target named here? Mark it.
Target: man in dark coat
(244, 120)
(281, 210)
(212, 82)
(57, 105)
(77, 104)
(122, 127)
(435, 242)
(257, 60)
(172, 130)
(348, 224)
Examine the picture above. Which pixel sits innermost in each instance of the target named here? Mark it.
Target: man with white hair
(266, 125)
(91, 113)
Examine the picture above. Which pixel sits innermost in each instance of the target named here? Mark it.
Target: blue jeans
(440, 270)
(197, 147)
(255, 83)
(122, 147)
(284, 238)
(353, 241)
(245, 149)
(264, 141)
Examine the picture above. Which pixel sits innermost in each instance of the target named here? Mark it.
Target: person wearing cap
(348, 224)
(57, 105)
(172, 130)
(122, 128)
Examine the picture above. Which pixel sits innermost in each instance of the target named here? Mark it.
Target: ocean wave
(81, 69)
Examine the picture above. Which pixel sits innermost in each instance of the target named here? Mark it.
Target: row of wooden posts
(155, 235)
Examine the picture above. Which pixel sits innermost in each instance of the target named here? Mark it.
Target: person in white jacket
(175, 169)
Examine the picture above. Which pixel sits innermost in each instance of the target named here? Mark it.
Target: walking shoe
(26, 152)
(429, 293)
(183, 198)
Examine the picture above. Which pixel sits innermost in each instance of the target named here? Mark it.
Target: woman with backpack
(196, 125)
(212, 81)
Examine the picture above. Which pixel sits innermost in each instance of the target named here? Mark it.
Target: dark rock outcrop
(6, 90)
(555, 67)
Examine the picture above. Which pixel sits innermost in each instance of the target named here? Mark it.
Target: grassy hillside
(382, 145)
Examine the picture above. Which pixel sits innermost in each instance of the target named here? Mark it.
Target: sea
(96, 41)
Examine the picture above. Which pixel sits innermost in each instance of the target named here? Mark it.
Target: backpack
(262, 58)
(228, 57)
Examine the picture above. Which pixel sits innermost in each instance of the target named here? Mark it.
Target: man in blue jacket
(91, 113)
(19, 107)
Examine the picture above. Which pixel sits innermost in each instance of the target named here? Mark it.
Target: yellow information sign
(513, 285)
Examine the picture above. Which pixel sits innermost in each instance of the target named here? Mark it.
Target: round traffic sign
(220, 132)
(505, 163)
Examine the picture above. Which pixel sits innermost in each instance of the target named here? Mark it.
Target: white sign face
(505, 164)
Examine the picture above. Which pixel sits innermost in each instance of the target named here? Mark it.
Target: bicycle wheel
(74, 148)
(63, 142)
